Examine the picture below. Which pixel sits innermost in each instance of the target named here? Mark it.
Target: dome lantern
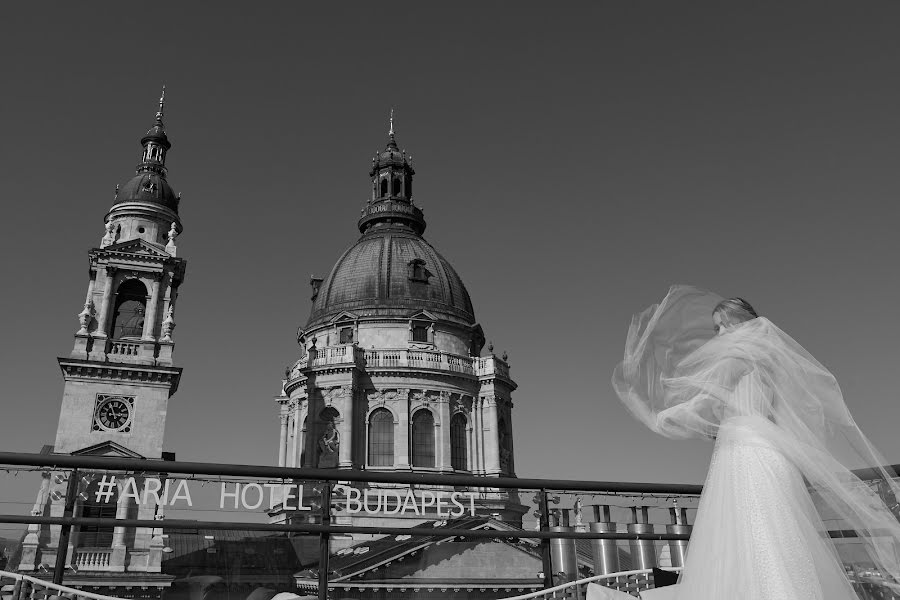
(392, 196)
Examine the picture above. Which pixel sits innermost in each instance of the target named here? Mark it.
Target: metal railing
(325, 528)
(26, 587)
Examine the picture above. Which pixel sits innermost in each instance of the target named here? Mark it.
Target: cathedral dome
(148, 186)
(391, 271)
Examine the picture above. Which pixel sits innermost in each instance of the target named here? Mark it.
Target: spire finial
(162, 102)
(391, 132)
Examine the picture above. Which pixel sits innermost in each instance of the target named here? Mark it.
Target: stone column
(300, 437)
(282, 444)
(442, 433)
(152, 305)
(477, 436)
(401, 437)
(103, 314)
(492, 439)
(345, 429)
(470, 440)
(117, 559)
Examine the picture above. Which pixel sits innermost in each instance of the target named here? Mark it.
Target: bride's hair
(735, 310)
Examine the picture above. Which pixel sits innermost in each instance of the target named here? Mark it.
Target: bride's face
(720, 325)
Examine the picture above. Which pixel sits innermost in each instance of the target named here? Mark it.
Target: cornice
(88, 370)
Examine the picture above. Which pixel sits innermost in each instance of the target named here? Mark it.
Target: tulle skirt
(757, 534)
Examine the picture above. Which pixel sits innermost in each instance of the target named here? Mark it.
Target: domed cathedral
(118, 381)
(391, 375)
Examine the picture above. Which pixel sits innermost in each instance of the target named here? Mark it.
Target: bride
(697, 365)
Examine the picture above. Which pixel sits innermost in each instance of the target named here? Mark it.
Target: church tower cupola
(392, 193)
(146, 206)
(155, 143)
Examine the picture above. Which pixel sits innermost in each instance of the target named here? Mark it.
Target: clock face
(113, 413)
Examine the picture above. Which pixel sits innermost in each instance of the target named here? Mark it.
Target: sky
(573, 160)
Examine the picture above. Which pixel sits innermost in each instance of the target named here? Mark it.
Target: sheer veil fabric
(756, 386)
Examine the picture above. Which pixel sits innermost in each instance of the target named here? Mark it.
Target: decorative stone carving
(85, 316)
(329, 444)
(110, 237)
(173, 233)
(168, 324)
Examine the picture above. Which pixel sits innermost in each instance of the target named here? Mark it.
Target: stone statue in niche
(329, 444)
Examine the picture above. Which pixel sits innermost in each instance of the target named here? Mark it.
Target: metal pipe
(605, 551)
(678, 548)
(643, 554)
(564, 560)
(62, 547)
(324, 549)
(546, 562)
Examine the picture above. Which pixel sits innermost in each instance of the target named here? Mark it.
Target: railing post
(545, 543)
(324, 545)
(62, 548)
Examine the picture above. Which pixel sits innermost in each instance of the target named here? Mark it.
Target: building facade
(118, 381)
(391, 375)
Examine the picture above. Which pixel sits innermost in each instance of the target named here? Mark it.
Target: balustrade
(410, 358)
(92, 559)
(119, 348)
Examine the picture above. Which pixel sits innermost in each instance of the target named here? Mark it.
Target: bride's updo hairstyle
(735, 310)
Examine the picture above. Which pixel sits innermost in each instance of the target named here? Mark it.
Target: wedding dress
(782, 430)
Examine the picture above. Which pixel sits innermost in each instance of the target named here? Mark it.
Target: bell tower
(120, 374)
(118, 381)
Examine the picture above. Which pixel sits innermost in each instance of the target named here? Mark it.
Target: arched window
(459, 459)
(397, 188)
(97, 536)
(409, 187)
(384, 187)
(381, 438)
(423, 439)
(130, 307)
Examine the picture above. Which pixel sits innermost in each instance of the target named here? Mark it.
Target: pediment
(107, 448)
(137, 246)
(384, 558)
(423, 315)
(345, 316)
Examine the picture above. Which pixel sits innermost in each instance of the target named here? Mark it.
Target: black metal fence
(546, 517)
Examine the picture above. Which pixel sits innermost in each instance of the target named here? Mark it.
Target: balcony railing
(25, 587)
(119, 348)
(389, 358)
(92, 559)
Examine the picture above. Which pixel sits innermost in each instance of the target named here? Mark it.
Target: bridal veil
(679, 379)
